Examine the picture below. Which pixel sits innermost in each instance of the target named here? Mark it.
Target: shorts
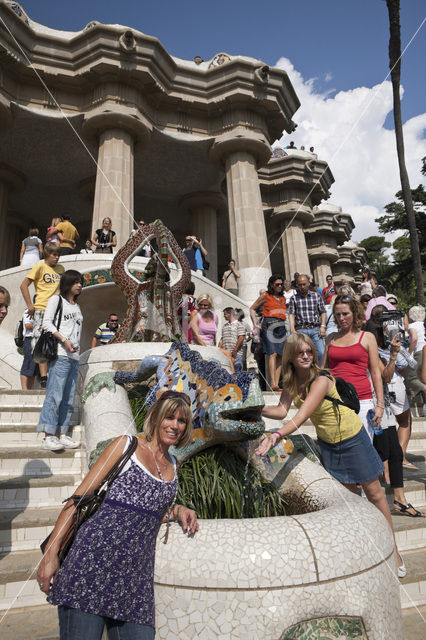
(29, 367)
(400, 404)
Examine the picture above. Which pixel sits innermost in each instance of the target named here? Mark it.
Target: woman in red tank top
(350, 354)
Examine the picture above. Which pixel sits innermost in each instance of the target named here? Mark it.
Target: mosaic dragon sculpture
(152, 305)
(225, 407)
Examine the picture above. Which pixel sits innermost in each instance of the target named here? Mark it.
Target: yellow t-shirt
(326, 419)
(69, 231)
(46, 282)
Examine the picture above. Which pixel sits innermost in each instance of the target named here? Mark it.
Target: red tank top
(351, 364)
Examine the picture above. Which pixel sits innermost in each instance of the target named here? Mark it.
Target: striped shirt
(231, 331)
(306, 309)
(104, 333)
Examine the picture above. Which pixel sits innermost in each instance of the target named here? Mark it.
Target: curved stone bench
(253, 579)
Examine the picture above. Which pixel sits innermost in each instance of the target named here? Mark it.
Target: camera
(393, 324)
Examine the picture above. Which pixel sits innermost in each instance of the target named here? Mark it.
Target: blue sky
(335, 52)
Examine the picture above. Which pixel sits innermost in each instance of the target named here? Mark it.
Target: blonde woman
(105, 238)
(52, 236)
(204, 322)
(347, 452)
(107, 577)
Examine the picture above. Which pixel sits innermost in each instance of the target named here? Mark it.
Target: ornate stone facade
(105, 122)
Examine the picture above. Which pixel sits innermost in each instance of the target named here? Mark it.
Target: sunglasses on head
(171, 394)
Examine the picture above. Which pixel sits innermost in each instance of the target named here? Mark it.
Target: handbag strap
(120, 464)
(58, 311)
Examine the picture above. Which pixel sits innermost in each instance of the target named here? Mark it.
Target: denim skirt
(352, 461)
(273, 336)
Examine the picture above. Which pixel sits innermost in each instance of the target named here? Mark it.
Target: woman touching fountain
(107, 576)
(347, 452)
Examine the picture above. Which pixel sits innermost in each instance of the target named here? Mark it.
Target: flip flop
(403, 509)
(409, 466)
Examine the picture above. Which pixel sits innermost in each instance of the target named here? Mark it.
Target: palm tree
(395, 71)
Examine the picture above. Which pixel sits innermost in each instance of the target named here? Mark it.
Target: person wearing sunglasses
(107, 578)
(274, 330)
(106, 331)
(346, 450)
(203, 322)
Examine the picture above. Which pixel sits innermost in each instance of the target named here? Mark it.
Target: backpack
(348, 395)
(347, 392)
(19, 334)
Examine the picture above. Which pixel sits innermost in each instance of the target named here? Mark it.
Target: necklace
(156, 463)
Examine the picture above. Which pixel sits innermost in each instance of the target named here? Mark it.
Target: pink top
(207, 330)
(351, 364)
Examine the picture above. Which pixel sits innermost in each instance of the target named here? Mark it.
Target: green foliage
(137, 405)
(216, 483)
(377, 259)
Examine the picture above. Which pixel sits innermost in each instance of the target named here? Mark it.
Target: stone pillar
(114, 183)
(205, 207)
(242, 153)
(117, 131)
(321, 269)
(295, 250)
(10, 180)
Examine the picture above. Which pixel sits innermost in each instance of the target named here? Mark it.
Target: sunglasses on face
(170, 394)
(278, 284)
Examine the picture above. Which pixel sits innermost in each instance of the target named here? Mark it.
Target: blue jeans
(239, 362)
(60, 391)
(78, 625)
(317, 340)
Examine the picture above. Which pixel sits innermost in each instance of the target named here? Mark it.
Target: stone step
(28, 413)
(25, 530)
(44, 491)
(34, 461)
(19, 397)
(415, 492)
(15, 434)
(414, 623)
(413, 586)
(417, 443)
(18, 584)
(410, 532)
(42, 622)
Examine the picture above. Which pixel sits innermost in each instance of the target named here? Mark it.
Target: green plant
(216, 483)
(137, 405)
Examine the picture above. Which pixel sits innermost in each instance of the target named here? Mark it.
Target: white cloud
(347, 130)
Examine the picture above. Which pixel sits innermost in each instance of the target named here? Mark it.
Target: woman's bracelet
(380, 405)
(280, 437)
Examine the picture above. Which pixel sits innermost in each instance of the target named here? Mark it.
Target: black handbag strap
(111, 475)
(58, 311)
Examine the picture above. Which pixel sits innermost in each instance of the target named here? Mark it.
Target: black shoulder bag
(46, 348)
(87, 504)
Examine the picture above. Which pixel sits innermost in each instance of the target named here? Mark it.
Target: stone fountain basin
(252, 579)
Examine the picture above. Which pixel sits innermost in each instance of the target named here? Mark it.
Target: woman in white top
(415, 388)
(31, 249)
(58, 404)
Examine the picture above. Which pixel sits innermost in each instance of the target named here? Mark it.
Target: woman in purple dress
(107, 576)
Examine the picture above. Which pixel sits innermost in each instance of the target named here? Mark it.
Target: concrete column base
(252, 279)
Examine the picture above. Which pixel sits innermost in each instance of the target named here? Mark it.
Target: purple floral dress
(109, 570)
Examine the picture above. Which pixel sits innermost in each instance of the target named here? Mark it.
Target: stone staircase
(33, 484)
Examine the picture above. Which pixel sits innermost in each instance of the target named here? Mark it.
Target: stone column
(10, 180)
(242, 153)
(205, 207)
(321, 269)
(118, 131)
(295, 250)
